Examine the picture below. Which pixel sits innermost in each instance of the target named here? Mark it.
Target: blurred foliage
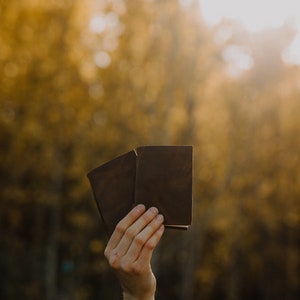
(84, 81)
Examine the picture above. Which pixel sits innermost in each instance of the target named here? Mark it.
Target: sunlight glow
(292, 54)
(99, 23)
(102, 59)
(238, 60)
(254, 14)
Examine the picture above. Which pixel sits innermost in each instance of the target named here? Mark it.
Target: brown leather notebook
(159, 176)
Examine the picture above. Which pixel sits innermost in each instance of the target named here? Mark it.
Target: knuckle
(139, 240)
(150, 245)
(120, 228)
(125, 267)
(114, 265)
(114, 261)
(130, 234)
(135, 270)
(130, 268)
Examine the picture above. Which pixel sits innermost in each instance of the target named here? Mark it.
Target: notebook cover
(113, 187)
(164, 180)
(158, 176)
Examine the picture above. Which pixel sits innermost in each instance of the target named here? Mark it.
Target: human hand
(130, 249)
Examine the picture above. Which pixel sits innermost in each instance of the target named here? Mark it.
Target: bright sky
(256, 15)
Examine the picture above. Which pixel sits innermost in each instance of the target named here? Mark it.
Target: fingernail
(140, 207)
(154, 210)
(159, 218)
(161, 228)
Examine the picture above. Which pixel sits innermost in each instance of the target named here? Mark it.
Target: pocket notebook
(159, 176)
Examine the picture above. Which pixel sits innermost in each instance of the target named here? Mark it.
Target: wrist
(139, 295)
(145, 290)
(127, 296)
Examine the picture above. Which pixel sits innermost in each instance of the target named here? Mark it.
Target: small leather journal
(159, 176)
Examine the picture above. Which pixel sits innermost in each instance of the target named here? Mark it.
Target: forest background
(84, 81)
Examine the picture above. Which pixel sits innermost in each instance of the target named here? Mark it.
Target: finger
(135, 231)
(123, 225)
(147, 250)
(143, 237)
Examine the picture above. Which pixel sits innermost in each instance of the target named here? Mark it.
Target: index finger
(122, 226)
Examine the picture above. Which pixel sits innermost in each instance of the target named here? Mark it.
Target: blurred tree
(43, 162)
(247, 235)
(82, 82)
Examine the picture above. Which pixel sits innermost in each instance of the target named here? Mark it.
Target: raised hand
(130, 249)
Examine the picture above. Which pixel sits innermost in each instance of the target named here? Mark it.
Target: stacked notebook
(159, 176)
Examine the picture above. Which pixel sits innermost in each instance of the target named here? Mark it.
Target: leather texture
(113, 187)
(159, 176)
(164, 180)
